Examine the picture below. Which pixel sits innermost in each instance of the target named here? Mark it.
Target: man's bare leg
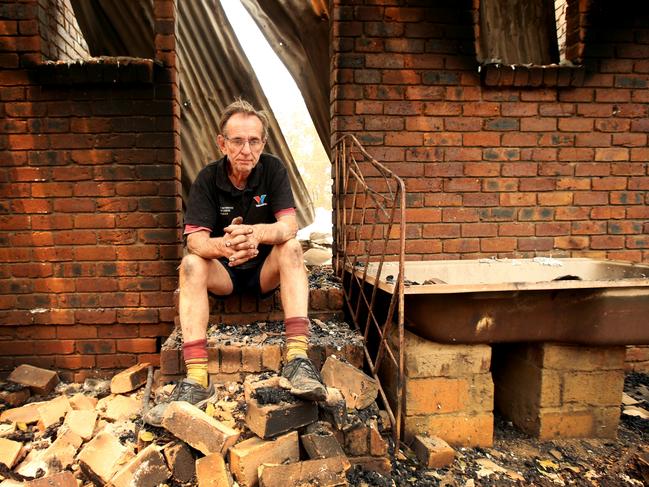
(197, 276)
(285, 266)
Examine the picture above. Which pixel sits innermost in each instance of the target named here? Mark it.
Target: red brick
(571, 213)
(423, 215)
(479, 229)
(39, 380)
(606, 212)
(538, 124)
(555, 198)
(95, 346)
(480, 199)
(612, 154)
(482, 139)
(433, 452)
(568, 183)
(607, 242)
(326, 471)
(247, 456)
(61, 479)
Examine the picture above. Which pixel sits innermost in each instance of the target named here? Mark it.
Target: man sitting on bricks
(240, 228)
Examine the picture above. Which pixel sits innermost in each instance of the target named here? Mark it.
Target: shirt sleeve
(193, 228)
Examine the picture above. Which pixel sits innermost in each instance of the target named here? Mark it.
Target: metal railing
(369, 213)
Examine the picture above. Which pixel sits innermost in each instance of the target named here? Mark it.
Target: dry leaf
(146, 436)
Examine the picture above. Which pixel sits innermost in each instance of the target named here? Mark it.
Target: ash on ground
(323, 277)
(333, 332)
(518, 459)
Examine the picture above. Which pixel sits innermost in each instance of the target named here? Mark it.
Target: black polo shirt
(214, 201)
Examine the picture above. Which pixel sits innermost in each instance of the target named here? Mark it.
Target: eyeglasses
(239, 143)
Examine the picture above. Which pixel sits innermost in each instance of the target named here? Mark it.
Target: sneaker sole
(313, 395)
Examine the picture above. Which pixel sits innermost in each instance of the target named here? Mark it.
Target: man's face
(242, 142)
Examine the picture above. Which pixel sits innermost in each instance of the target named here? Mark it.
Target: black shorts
(247, 280)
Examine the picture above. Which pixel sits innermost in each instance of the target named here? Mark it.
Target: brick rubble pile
(252, 433)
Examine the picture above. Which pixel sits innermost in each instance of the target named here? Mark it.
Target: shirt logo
(225, 210)
(260, 200)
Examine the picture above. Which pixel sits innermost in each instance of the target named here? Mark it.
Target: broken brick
(432, 451)
(51, 412)
(251, 358)
(24, 414)
(119, 407)
(59, 455)
(7, 429)
(15, 398)
(212, 472)
(321, 444)
(61, 479)
(147, 469)
(102, 456)
(130, 379)
(326, 472)
(197, 429)
(40, 381)
(10, 452)
(82, 402)
(382, 465)
(358, 389)
(181, 461)
(378, 444)
(81, 422)
(230, 358)
(384, 417)
(334, 408)
(248, 455)
(357, 440)
(270, 420)
(271, 358)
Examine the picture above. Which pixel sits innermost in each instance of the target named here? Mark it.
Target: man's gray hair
(242, 106)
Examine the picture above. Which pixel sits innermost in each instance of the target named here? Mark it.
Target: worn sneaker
(305, 379)
(186, 390)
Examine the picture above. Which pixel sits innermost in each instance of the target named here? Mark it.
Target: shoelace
(181, 389)
(296, 364)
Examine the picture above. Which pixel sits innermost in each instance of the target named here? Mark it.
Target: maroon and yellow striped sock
(297, 337)
(195, 356)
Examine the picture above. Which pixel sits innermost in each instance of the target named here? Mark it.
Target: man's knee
(193, 267)
(290, 253)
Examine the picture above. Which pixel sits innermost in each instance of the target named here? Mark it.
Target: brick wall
(90, 201)
(499, 171)
(492, 171)
(61, 38)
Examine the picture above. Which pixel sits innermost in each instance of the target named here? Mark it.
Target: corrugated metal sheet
(298, 31)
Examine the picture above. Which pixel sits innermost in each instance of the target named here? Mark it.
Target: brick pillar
(448, 391)
(553, 391)
(90, 201)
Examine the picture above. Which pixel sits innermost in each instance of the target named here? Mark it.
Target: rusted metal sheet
(582, 301)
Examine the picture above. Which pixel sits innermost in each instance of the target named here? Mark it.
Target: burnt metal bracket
(370, 227)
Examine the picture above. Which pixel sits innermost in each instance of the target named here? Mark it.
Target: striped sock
(297, 337)
(195, 356)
